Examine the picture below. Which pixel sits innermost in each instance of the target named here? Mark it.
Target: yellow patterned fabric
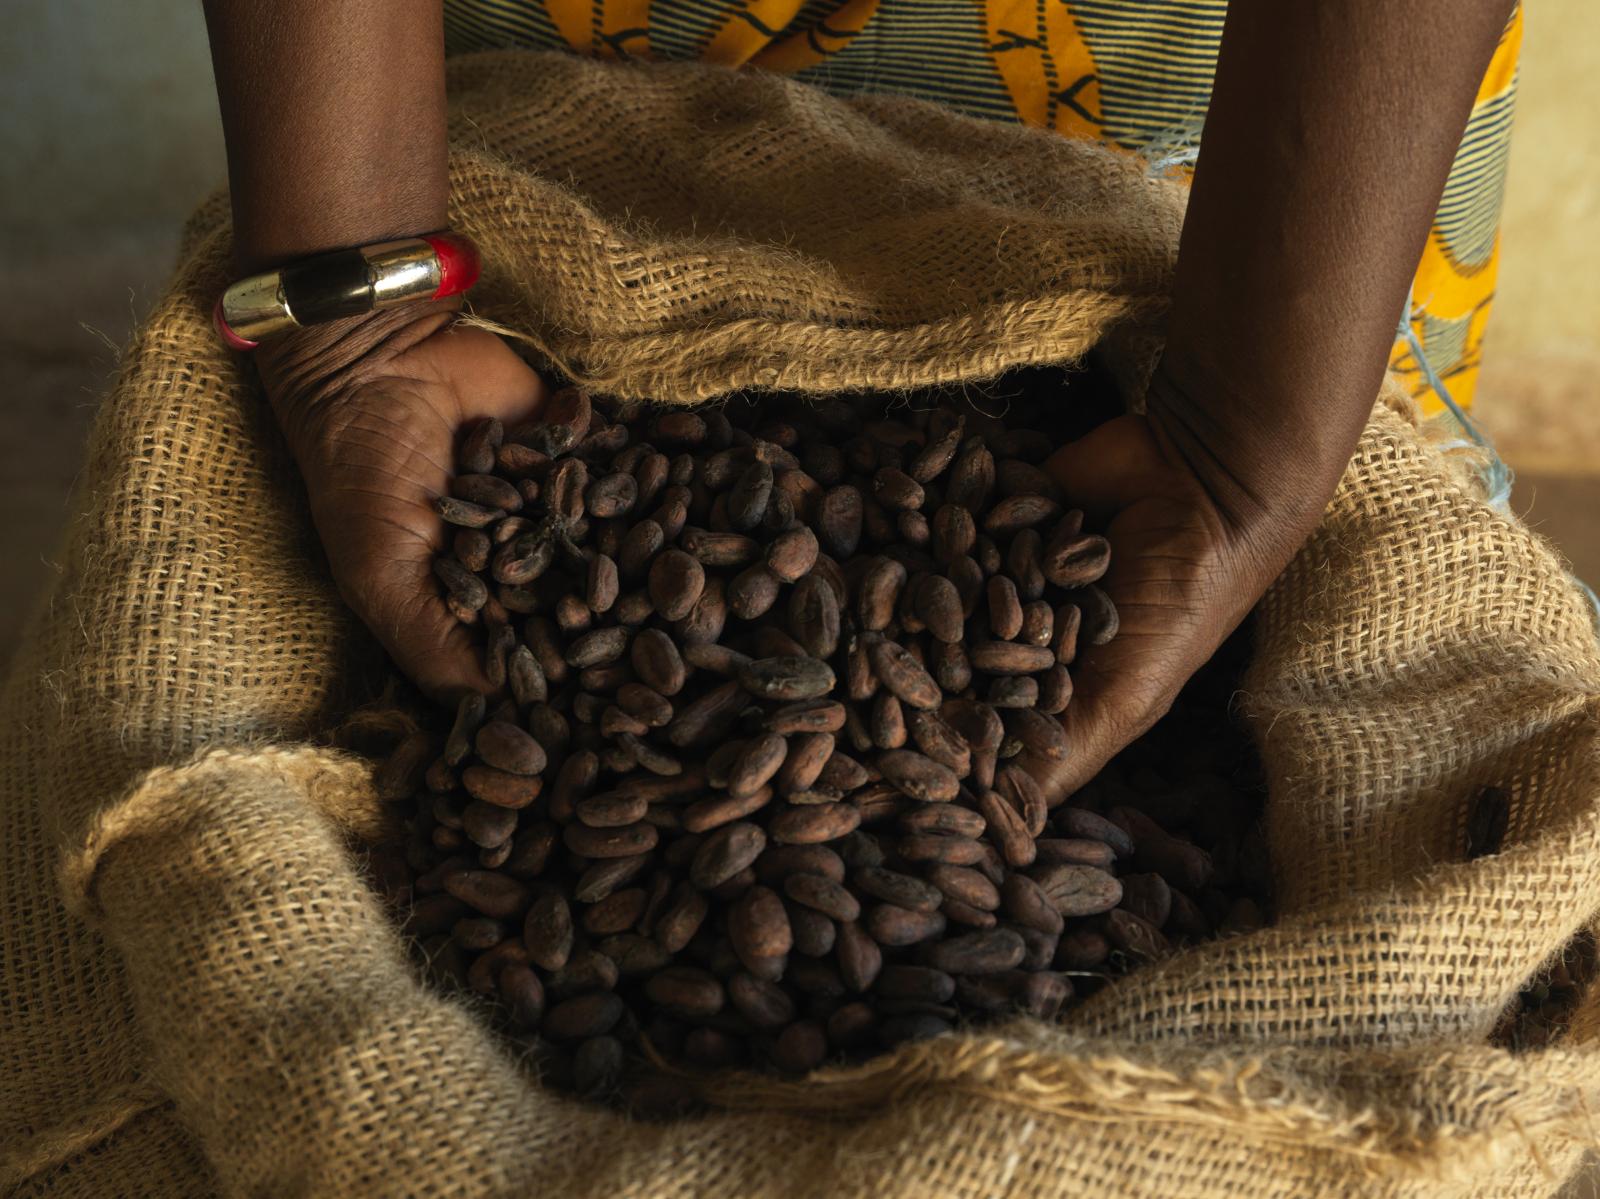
(1131, 73)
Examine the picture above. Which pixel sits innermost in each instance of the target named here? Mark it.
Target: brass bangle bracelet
(344, 283)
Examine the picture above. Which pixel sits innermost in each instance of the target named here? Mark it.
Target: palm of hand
(1180, 584)
(374, 459)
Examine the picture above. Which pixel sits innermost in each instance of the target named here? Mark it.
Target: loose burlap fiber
(199, 994)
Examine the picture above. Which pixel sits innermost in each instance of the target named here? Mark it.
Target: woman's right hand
(373, 410)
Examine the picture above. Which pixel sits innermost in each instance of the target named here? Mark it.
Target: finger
(1112, 704)
(403, 607)
(1101, 472)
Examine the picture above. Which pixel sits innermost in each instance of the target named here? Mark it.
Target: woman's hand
(373, 411)
(1185, 571)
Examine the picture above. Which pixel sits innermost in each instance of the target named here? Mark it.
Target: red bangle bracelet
(329, 287)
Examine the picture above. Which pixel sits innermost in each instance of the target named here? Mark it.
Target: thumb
(1108, 468)
(401, 601)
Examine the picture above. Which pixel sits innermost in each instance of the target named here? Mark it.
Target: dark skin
(1331, 131)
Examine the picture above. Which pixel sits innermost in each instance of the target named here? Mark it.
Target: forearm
(334, 112)
(1331, 131)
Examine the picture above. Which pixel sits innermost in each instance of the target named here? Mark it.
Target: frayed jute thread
(337, 784)
(91, 1126)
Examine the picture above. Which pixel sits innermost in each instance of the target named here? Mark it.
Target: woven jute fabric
(199, 993)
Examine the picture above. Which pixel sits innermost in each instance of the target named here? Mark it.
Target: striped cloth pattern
(1132, 73)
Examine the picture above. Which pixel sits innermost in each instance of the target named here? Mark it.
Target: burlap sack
(198, 993)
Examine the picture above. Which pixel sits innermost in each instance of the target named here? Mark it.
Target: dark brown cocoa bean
(465, 514)
(603, 585)
(1079, 822)
(938, 604)
(645, 704)
(616, 913)
(638, 549)
(611, 495)
(607, 875)
(813, 616)
(686, 991)
(987, 952)
(936, 847)
(583, 1016)
(971, 478)
(765, 1005)
(499, 787)
(936, 738)
(1074, 851)
(681, 918)
(968, 578)
(1024, 794)
(903, 675)
(724, 853)
(610, 809)
(1055, 691)
(949, 666)
(887, 722)
(1025, 902)
(842, 773)
(801, 1047)
(720, 549)
(723, 808)
(893, 926)
(758, 926)
(485, 891)
(896, 490)
(1099, 621)
(470, 711)
(756, 763)
(676, 583)
(791, 555)
(918, 776)
(471, 548)
(486, 491)
(610, 842)
(504, 746)
(879, 592)
(1040, 736)
(487, 824)
(476, 455)
(814, 933)
(787, 679)
(823, 894)
(656, 661)
(747, 500)
(1015, 477)
(1038, 623)
(1075, 560)
(752, 592)
(942, 818)
(807, 754)
(466, 588)
(1078, 890)
(598, 647)
(859, 957)
(1147, 896)
(839, 516)
(780, 861)
(708, 718)
(965, 885)
(1137, 938)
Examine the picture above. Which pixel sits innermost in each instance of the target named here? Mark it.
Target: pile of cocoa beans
(764, 782)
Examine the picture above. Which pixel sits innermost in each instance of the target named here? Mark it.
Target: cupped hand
(1183, 575)
(373, 415)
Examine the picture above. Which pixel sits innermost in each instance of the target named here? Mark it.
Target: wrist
(308, 373)
(1267, 479)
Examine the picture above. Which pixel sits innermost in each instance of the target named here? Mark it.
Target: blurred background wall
(110, 135)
